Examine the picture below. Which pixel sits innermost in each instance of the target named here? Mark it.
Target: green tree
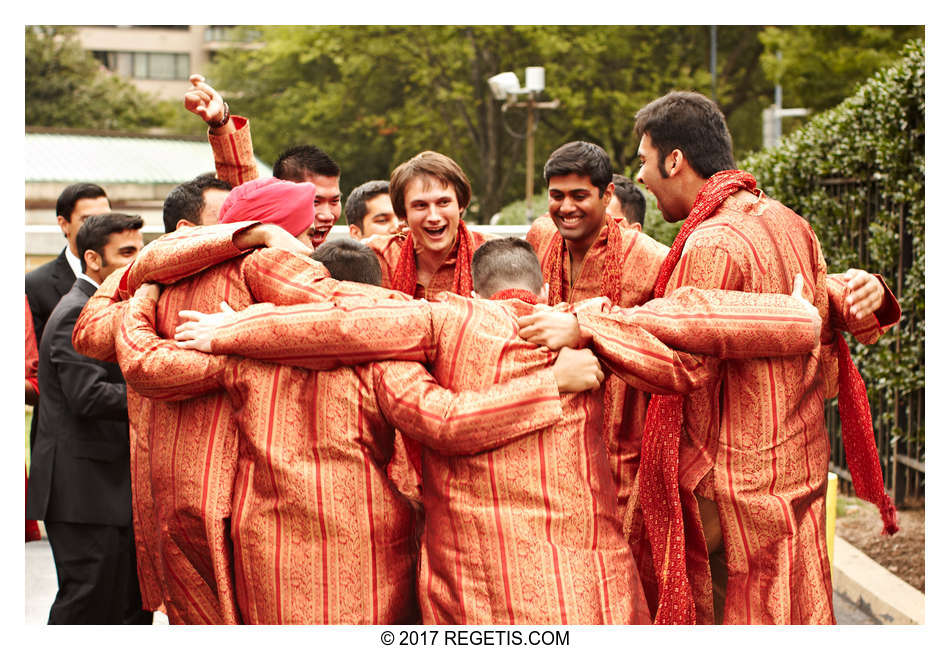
(821, 65)
(65, 87)
(373, 96)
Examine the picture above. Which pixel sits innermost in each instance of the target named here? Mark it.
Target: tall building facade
(158, 58)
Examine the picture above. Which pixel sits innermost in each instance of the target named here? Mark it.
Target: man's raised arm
(229, 135)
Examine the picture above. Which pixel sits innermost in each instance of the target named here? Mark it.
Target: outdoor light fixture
(505, 88)
(504, 84)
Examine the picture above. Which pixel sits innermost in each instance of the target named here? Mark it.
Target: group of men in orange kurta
(572, 430)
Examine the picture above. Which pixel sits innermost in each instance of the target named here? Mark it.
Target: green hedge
(854, 172)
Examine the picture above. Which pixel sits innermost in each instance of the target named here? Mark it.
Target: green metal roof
(70, 158)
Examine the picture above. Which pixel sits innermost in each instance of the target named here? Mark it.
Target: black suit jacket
(44, 287)
(79, 468)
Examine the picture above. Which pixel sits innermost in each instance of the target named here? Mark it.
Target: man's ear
(677, 162)
(63, 224)
(183, 223)
(608, 193)
(543, 296)
(355, 232)
(92, 259)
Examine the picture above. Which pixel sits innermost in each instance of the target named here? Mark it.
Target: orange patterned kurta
(320, 534)
(192, 448)
(641, 260)
(211, 598)
(182, 459)
(528, 533)
(755, 441)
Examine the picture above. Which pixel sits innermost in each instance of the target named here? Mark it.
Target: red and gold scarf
(520, 294)
(405, 274)
(609, 281)
(659, 467)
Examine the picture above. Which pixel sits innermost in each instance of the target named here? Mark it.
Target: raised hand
(203, 100)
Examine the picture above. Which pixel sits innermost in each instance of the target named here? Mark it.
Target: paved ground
(41, 589)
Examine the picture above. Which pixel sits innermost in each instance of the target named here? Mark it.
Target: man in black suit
(80, 483)
(47, 284)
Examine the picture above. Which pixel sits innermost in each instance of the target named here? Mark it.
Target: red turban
(271, 200)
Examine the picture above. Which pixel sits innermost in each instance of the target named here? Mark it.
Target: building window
(231, 33)
(146, 65)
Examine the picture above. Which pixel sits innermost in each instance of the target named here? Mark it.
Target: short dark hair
(95, 231)
(208, 181)
(297, 161)
(66, 202)
(583, 159)
(348, 259)
(692, 123)
(355, 206)
(631, 199)
(503, 263)
(433, 165)
(188, 200)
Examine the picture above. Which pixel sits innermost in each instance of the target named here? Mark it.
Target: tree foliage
(857, 173)
(821, 65)
(65, 87)
(373, 96)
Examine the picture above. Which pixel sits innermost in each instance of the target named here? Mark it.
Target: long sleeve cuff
(234, 153)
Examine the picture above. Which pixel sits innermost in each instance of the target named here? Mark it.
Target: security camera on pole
(506, 88)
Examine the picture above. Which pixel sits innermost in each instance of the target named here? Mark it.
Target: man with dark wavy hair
(748, 453)
(627, 202)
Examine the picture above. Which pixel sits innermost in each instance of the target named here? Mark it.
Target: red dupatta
(405, 275)
(659, 468)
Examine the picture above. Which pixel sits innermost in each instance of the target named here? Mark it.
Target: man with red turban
(320, 534)
(184, 454)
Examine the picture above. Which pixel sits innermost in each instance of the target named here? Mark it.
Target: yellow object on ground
(831, 505)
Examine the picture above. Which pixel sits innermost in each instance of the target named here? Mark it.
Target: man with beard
(753, 443)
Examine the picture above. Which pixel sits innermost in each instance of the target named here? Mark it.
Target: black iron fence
(898, 416)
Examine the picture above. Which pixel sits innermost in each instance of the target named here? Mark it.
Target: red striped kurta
(527, 533)
(755, 441)
(320, 534)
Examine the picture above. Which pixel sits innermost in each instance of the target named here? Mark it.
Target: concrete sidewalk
(873, 589)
